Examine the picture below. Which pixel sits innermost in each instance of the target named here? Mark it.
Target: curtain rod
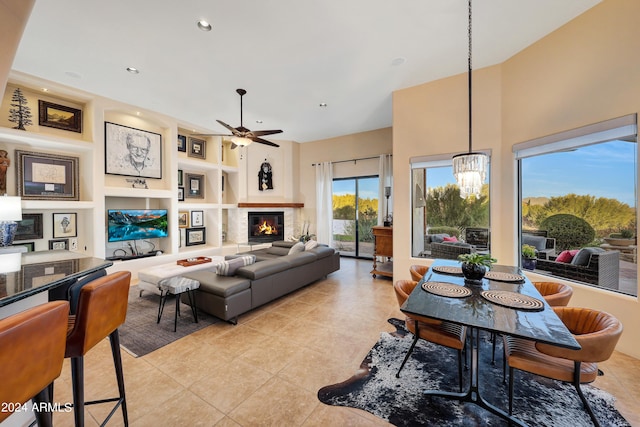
(355, 160)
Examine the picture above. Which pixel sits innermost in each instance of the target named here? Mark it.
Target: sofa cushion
(310, 245)
(567, 256)
(538, 242)
(284, 243)
(278, 250)
(322, 251)
(300, 258)
(229, 268)
(223, 286)
(263, 268)
(298, 247)
(584, 256)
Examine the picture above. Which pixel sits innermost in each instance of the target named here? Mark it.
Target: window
(438, 211)
(578, 204)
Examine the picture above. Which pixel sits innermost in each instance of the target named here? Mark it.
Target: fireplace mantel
(271, 205)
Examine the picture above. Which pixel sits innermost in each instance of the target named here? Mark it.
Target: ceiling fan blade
(210, 134)
(265, 132)
(264, 141)
(231, 129)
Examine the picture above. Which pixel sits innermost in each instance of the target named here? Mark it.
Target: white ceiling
(290, 55)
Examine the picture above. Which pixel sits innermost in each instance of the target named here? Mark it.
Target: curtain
(386, 180)
(324, 202)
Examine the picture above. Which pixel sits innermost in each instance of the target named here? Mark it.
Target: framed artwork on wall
(64, 225)
(59, 116)
(132, 152)
(29, 245)
(182, 143)
(197, 218)
(183, 219)
(43, 176)
(58, 244)
(181, 194)
(197, 148)
(195, 185)
(195, 236)
(30, 227)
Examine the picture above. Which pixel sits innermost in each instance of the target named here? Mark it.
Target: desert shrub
(570, 231)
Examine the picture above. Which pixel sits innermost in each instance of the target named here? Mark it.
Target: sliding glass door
(355, 212)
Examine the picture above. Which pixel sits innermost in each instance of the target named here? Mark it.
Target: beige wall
(355, 146)
(13, 18)
(585, 72)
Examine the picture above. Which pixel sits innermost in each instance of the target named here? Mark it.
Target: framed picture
(44, 176)
(58, 244)
(181, 194)
(60, 117)
(197, 218)
(35, 275)
(132, 152)
(195, 236)
(30, 227)
(195, 185)
(183, 219)
(31, 246)
(182, 143)
(180, 178)
(64, 225)
(197, 148)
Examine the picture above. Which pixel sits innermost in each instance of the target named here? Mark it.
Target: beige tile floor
(267, 369)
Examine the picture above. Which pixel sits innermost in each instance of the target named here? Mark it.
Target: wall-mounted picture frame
(31, 246)
(183, 219)
(59, 244)
(195, 186)
(59, 116)
(181, 194)
(40, 274)
(64, 225)
(197, 218)
(30, 227)
(197, 148)
(180, 178)
(43, 176)
(195, 236)
(182, 143)
(132, 152)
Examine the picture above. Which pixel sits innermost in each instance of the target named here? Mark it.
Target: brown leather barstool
(446, 334)
(33, 343)
(597, 333)
(556, 294)
(418, 272)
(101, 308)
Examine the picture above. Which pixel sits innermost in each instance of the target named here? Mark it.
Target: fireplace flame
(265, 228)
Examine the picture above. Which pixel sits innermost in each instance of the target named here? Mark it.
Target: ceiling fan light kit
(470, 169)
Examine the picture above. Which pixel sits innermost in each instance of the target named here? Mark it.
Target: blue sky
(368, 187)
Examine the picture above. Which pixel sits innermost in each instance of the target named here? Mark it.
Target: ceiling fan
(241, 135)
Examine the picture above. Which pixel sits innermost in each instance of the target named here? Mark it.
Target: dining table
(504, 302)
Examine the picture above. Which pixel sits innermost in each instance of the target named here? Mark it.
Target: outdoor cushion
(567, 256)
(538, 242)
(584, 255)
(438, 238)
(450, 239)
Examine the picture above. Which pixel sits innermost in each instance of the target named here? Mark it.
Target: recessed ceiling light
(323, 104)
(258, 121)
(133, 70)
(398, 61)
(204, 25)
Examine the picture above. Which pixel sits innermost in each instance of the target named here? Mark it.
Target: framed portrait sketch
(195, 185)
(183, 219)
(132, 152)
(64, 225)
(43, 176)
(197, 148)
(30, 227)
(58, 116)
(182, 143)
(197, 218)
(181, 194)
(58, 244)
(195, 236)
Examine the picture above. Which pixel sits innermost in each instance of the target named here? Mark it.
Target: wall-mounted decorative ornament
(265, 177)
(4, 165)
(19, 113)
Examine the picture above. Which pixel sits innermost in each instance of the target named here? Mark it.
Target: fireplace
(265, 226)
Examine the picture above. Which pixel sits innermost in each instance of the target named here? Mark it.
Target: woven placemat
(448, 269)
(446, 289)
(501, 276)
(513, 300)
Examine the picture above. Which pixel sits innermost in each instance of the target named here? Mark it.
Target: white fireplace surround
(238, 223)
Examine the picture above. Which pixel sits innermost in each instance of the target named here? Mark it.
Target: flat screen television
(136, 224)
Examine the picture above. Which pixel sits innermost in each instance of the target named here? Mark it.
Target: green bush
(451, 231)
(569, 231)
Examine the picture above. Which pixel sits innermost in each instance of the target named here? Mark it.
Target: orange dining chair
(446, 334)
(32, 344)
(597, 333)
(418, 272)
(556, 294)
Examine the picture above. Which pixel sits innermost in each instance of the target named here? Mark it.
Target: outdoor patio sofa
(545, 246)
(590, 265)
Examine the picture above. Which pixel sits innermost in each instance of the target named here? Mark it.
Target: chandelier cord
(469, 77)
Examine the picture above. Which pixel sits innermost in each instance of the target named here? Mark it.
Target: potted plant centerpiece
(475, 265)
(528, 257)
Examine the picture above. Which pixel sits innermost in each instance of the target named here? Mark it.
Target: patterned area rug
(537, 401)
(140, 333)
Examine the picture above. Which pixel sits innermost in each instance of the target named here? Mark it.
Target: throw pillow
(228, 268)
(584, 256)
(438, 238)
(567, 256)
(298, 247)
(310, 245)
(450, 239)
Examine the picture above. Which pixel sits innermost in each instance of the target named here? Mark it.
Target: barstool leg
(114, 339)
(44, 418)
(77, 378)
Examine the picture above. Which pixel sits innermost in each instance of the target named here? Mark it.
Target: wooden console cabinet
(383, 248)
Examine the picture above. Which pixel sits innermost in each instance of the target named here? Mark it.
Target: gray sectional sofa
(274, 274)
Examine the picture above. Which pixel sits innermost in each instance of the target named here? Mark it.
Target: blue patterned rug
(537, 401)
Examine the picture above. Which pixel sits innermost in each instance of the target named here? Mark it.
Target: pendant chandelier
(470, 169)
